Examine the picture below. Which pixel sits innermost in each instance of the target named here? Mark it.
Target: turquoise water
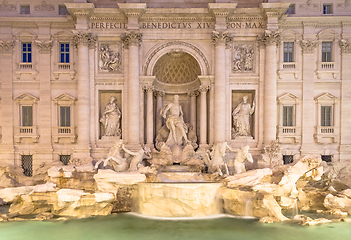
(125, 226)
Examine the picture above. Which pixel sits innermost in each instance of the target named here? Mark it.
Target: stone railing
(64, 66)
(25, 66)
(325, 130)
(289, 66)
(26, 132)
(64, 132)
(288, 134)
(327, 65)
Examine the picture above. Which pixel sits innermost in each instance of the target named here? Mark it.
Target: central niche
(177, 67)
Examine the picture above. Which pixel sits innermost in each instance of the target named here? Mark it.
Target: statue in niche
(241, 118)
(178, 130)
(110, 60)
(111, 118)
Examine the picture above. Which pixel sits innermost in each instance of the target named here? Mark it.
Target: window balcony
(26, 132)
(64, 132)
(26, 68)
(289, 66)
(327, 68)
(289, 134)
(326, 134)
(63, 69)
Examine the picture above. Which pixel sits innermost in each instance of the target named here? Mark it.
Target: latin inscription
(108, 25)
(245, 25)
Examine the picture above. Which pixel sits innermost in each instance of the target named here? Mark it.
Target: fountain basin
(181, 199)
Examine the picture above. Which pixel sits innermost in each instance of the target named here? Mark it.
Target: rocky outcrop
(343, 203)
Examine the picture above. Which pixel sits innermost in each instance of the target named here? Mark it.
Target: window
(326, 158)
(291, 9)
(327, 8)
(65, 159)
(62, 10)
(288, 116)
(27, 165)
(27, 116)
(326, 51)
(326, 112)
(26, 52)
(288, 52)
(65, 116)
(64, 52)
(287, 159)
(25, 9)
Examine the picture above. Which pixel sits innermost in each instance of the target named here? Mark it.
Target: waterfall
(295, 210)
(248, 208)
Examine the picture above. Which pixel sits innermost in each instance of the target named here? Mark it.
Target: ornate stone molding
(131, 38)
(269, 38)
(92, 42)
(204, 88)
(44, 7)
(110, 60)
(345, 5)
(309, 6)
(5, 6)
(158, 93)
(345, 45)
(44, 47)
(308, 46)
(221, 38)
(83, 38)
(6, 47)
(193, 93)
(149, 88)
(243, 58)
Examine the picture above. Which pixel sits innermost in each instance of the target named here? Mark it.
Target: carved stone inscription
(243, 58)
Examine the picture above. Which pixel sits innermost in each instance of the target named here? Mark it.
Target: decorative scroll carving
(44, 47)
(6, 47)
(345, 46)
(193, 93)
(109, 60)
(83, 38)
(345, 5)
(204, 88)
(159, 93)
(7, 7)
(308, 46)
(243, 58)
(269, 38)
(44, 7)
(131, 38)
(309, 6)
(148, 88)
(221, 37)
(92, 42)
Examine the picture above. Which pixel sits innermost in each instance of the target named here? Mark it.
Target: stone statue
(241, 118)
(217, 155)
(173, 115)
(114, 158)
(137, 157)
(111, 118)
(110, 60)
(243, 154)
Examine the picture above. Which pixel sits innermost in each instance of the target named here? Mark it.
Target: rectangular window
(25, 9)
(288, 115)
(65, 116)
(326, 112)
(327, 52)
(288, 52)
(64, 52)
(327, 8)
(287, 159)
(27, 165)
(62, 10)
(26, 52)
(27, 116)
(291, 9)
(326, 158)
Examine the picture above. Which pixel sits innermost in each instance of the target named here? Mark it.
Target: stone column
(44, 150)
(149, 116)
(82, 40)
(308, 104)
(6, 66)
(131, 41)
(159, 100)
(345, 123)
(203, 115)
(193, 96)
(270, 39)
(220, 39)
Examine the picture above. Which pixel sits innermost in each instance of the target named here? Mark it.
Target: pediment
(326, 97)
(25, 33)
(288, 98)
(64, 98)
(26, 97)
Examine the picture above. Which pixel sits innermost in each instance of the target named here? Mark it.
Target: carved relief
(5, 6)
(6, 47)
(345, 5)
(309, 6)
(131, 38)
(345, 46)
(308, 46)
(44, 47)
(83, 38)
(269, 38)
(109, 60)
(221, 37)
(44, 7)
(243, 58)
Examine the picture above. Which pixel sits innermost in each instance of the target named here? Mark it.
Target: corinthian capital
(345, 46)
(83, 38)
(221, 38)
(308, 46)
(269, 38)
(6, 47)
(44, 47)
(131, 38)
